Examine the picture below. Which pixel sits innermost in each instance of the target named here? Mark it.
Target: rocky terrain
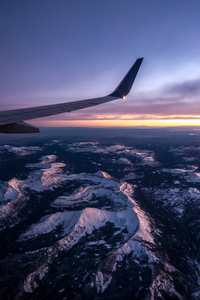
(89, 220)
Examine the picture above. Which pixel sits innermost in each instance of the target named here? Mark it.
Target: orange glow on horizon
(118, 123)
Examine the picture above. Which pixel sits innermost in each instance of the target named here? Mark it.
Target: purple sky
(57, 51)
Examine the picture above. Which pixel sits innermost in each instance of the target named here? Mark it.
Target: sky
(61, 51)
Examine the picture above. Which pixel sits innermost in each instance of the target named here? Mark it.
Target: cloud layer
(175, 101)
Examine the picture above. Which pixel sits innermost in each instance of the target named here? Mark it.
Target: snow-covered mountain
(88, 221)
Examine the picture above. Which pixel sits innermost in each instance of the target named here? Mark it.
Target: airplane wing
(11, 121)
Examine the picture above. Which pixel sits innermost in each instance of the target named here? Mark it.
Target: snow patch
(101, 282)
(21, 151)
(47, 224)
(146, 156)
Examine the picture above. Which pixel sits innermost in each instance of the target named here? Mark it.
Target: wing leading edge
(11, 121)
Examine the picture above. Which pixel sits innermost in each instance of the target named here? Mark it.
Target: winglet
(125, 85)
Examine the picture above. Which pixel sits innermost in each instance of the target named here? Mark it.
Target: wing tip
(125, 85)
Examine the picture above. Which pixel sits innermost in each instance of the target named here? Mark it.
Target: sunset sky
(56, 51)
